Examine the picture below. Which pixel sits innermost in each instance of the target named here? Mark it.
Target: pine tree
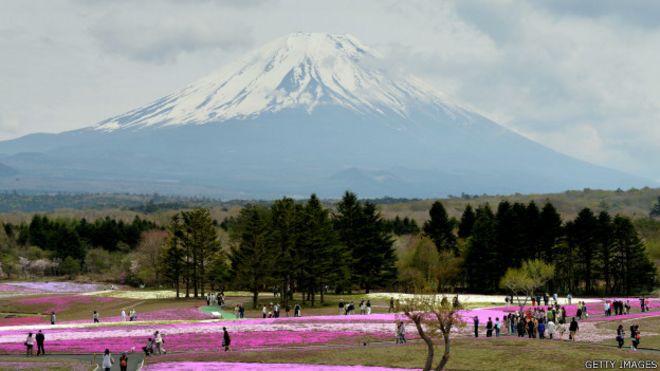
(285, 229)
(481, 255)
(364, 234)
(323, 258)
(655, 211)
(252, 259)
(550, 232)
(582, 235)
(440, 228)
(605, 249)
(201, 237)
(635, 272)
(467, 222)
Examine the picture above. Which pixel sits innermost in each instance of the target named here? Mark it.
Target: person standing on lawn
(573, 329)
(541, 329)
(52, 318)
(489, 328)
(123, 315)
(123, 362)
(40, 343)
(108, 361)
(497, 326)
(29, 343)
(226, 340)
(476, 326)
(159, 342)
(391, 308)
(550, 328)
(620, 333)
(368, 306)
(95, 317)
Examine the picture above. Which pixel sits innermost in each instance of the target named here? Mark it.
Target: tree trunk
(445, 356)
(429, 345)
(255, 297)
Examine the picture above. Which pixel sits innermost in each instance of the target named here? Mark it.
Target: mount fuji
(309, 112)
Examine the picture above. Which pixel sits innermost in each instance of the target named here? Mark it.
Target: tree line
(594, 253)
(288, 247)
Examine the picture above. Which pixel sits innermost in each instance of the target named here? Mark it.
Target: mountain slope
(305, 113)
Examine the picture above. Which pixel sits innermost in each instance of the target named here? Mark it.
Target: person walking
(95, 317)
(402, 332)
(264, 311)
(123, 362)
(226, 340)
(476, 326)
(368, 307)
(52, 318)
(123, 315)
(297, 310)
(573, 329)
(620, 333)
(634, 337)
(29, 343)
(158, 338)
(108, 361)
(40, 343)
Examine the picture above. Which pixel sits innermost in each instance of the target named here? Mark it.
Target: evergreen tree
(550, 232)
(323, 257)
(655, 210)
(200, 237)
(467, 222)
(481, 255)
(582, 234)
(440, 228)
(285, 230)
(605, 251)
(362, 231)
(252, 259)
(173, 259)
(634, 271)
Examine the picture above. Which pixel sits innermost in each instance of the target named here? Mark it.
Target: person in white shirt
(108, 361)
(123, 315)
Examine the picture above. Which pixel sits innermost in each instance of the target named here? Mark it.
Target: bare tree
(434, 316)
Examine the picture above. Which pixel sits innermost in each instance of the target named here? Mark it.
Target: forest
(317, 247)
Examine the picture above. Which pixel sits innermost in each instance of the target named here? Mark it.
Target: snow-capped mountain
(302, 70)
(309, 112)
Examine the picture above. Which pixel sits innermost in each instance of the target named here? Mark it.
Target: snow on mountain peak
(301, 70)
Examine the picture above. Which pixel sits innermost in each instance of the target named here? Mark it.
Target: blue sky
(581, 77)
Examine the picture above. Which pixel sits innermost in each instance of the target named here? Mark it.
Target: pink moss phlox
(227, 366)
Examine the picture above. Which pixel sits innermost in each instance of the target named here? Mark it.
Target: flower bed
(197, 342)
(56, 286)
(228, 366)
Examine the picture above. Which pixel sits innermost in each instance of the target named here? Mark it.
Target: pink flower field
(227, 366)
(50, 287)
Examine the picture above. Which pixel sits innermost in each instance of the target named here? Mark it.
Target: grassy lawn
(468, 354)
(77, 311)
(645, 324)
(43, 364)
